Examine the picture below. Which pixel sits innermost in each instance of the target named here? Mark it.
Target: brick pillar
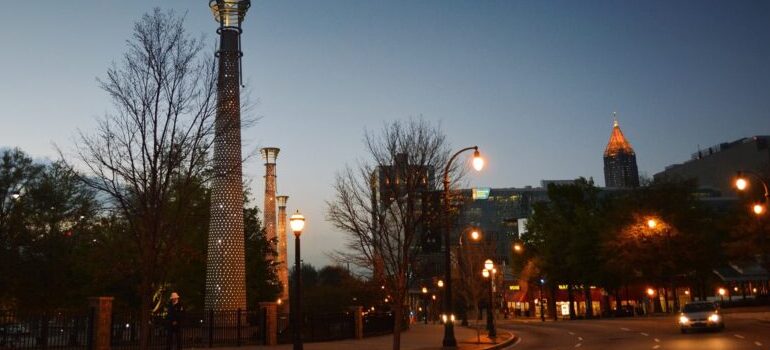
(102, 321)
(358, 317)
(270, 310)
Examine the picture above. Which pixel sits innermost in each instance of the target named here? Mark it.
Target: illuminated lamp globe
(652, 223)
(440, 283)
(478, 162)
(297, 222)
(424, 290)
(488, 264)
(759, 209)
(485, 273)
(741, 184)
(650, 291)
(475, 235)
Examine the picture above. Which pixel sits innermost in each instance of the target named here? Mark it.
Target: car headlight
(683, 319)
(714, 318)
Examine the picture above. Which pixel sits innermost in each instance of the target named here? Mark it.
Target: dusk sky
(532, 83)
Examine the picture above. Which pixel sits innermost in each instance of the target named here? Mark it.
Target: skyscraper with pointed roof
(620, 169)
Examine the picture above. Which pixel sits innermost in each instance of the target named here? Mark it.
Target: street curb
(505, 343)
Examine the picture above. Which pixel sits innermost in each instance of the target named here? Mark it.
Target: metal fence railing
(49, 330)
(202, 329)
(378, 324)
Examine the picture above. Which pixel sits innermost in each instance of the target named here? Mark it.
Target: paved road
(654, 333)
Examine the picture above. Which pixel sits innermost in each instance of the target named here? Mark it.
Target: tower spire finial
(615, 119)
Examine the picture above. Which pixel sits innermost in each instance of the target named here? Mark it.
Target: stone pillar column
(102, 321)
(358, 317)
(283, 267)
(270, 155)
(270, 312)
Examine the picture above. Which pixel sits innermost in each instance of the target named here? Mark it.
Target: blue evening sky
(533, 83)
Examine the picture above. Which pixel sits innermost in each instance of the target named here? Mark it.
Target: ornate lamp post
(475, 236)
(297, 222)
(225, 268)
(478, 164)
(489, 272)
(425, 303)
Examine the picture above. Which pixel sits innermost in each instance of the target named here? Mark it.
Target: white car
(701, 315)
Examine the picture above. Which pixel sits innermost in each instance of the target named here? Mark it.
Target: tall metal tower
(226, 265)
(283, 267)
(270, 155)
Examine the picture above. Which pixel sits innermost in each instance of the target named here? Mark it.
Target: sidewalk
(418, 337)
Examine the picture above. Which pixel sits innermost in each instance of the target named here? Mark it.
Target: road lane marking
(578, 345)
(656, 346)
(644, 334)
(571, 333)
(657, 340)
(624, 329)
(580, 338)
(739, 336)
(757, 343)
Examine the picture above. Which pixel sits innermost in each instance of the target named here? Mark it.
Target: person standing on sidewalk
(174, 314)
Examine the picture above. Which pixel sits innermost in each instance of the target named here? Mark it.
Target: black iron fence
(378, 324)
(196, 330)
(50, 330)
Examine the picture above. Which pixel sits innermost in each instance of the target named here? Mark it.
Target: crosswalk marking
(657, 340)
(739, 336)
(644, 334)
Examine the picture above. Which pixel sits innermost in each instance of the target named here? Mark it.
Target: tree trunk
(144, 318)
(552, 302)
(571, 301)
(618, 304)
(589, 300)
(397, 320)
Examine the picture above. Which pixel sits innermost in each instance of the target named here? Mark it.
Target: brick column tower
(226, 265)
(270, 155)
(283, 268)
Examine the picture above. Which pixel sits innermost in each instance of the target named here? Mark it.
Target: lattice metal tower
(226, 265)
(283, 267)
(270, 155)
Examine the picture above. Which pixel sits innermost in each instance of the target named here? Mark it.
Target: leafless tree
(384, 203)
(472, 287)
(147, 153)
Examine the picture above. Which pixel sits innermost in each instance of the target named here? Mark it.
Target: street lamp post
(475, 235)
(759, 209)
(297, 222)
(478, 164)
(488, 272)
(542, 302)
(425, 303)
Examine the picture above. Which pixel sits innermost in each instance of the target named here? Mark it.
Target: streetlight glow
(478, 162)
(650, 291)
(485, 273)
(489, 264)
(759, 209)
(741, 184)
(517, 248)
(440, 283)
(722, 291)
(652, 223)
(475, 235)
(424, 290)
(297, 222)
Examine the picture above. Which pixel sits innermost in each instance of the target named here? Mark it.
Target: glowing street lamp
(440, 283)
(652, 223)
(650, 292)
(478, 164)
(517, 248)
(722, 293)
(475, 235)
(297, 223)
(742, 184)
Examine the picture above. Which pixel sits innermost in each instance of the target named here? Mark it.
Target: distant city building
(620, 170)
(715, 167)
